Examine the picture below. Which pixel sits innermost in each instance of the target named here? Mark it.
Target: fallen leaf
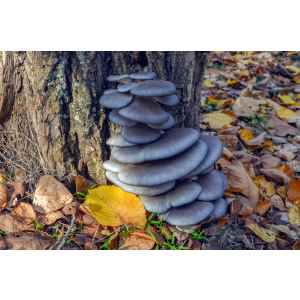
(286, 230)
(276, 175)
(296, 245)
(286, 114)
(50, 195)
(287, 100)
(293, 191)
(240, 181)
(81, 184)
(18, 184)
(217, 120)
(281, 128)
(294, 215)
(267, 235)
(246, 106)
(263, 206)
(69, 209)
(3, 196)
(246, 135)
(266, 187)
(25, 212)
(51, 218)
(111, 206)
(277, 202)
(9, 224)
(138, 241)
(28, 241)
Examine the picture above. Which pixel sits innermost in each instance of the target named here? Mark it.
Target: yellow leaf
(266, 235)
(293, 69)
(217, 120)
(287, 100)
(294, 215)
(208, 83)
(266, 187)
(111, 206)
(286, 114)
(246, 134)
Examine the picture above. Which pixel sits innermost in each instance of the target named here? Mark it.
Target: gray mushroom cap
(142, 75)
(116, 118)
(161, 171)
(110, 91)
(173, 142)
(140, 134)
(118, 141)
(170, 100)
(114, 166)
(154, 88)
(215, 149)
(220, 209)
(212, 186)
(140, 190)
(126, 87)
(189, 214)
(166, 125)
(114, 78)
(183, 193)
(144, 111)
(115, 100)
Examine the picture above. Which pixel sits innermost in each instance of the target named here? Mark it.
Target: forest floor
(251, 100)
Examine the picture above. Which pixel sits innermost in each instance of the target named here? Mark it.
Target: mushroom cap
(140, 134)
(212, 186)
(183, 193)
(144, 111)
(118, 141)
(154, 88)
(116, 118)
(140, 190)
(215, 149)
(115, 100)
(144, 75)
(114, 166)
(114, 78)
(220, 209)
(126, 87)
(173, 142)
(189, 214)
(161, 171)
(165, 125)
(110, 91)
(170, 100)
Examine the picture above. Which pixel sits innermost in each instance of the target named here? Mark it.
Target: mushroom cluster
(170, 168)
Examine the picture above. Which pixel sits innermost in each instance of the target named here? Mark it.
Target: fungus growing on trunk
(171, 169)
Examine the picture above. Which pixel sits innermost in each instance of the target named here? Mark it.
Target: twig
(62, 241)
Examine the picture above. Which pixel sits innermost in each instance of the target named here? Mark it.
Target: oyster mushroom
(170, 100)
(143, 75)
(182, 194)
(115, 100)
(126, 87)
(140, 134)
(140, 190)
(116, 118)
(220, 209)
(165, 125)
(169, 144)
(154, 88)
(189, 214)
(144, 111)
(118, 141)
(213, 186)
(114, 78)
(161, 171)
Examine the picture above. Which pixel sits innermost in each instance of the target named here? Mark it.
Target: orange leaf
(293, 191)
(263, 206)
(138, 241)
(246, 135)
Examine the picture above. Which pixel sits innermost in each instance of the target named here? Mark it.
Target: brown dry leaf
(28, 241)
(239, 181)
(138, 241)
(25, 212)
(276, 175)
(286, 169)
(246, 106)
(9, 224)
(51, 195)
(229, 140)
(265, 187)
(18, 184)
(277, 202)
(294, 215)
(111, 206)
(218, 120)
(269, 161)
(296, 245)
(81, 184)
(293, 191)
(3, 196)
(267, 235)
(69, 209)
(263, 206)
(281, 128)
(51, 217)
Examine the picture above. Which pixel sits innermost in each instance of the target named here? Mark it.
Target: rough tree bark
(58, 94)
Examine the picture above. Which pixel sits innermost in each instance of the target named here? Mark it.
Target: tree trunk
(49, 105)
